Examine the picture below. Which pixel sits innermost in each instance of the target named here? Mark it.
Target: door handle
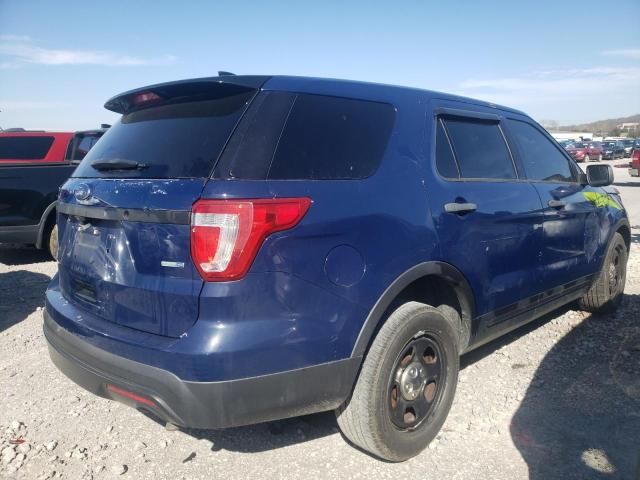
(460, 208)
(557, 204)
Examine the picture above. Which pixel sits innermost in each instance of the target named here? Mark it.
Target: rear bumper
(199, 404)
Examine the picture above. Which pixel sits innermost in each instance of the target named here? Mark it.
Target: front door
(574, 232)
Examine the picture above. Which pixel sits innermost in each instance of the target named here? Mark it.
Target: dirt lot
(559, 398)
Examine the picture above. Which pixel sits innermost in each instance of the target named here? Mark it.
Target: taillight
(227, 234)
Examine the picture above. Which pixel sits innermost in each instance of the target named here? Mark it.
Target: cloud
(24, 51)
(633, 53)
(550, 85)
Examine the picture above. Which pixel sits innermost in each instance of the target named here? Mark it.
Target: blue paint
(308, 292)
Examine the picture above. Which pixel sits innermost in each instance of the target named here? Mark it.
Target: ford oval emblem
(82, 192)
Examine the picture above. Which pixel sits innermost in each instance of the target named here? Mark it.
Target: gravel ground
(558, 398)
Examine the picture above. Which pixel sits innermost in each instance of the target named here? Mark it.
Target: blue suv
(240, 249)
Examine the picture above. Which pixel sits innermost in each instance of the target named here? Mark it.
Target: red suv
(29, 147)
(586, 152)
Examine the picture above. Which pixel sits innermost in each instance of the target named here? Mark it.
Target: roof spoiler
(211, 87)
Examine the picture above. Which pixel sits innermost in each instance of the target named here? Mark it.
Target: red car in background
(634, 171)
(586, 152)
(28, 147)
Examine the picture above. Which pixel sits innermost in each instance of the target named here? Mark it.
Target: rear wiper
(118, 164)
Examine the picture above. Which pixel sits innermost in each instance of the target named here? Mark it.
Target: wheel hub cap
(412, 380)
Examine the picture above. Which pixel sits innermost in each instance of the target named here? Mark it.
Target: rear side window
(445, 162)
(178, 139)
(540, 158)
(24, 148)
(286, 136)
(479, 149)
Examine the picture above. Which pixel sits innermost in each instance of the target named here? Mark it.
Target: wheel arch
(48, 218)
(428, 280)
(623, 229)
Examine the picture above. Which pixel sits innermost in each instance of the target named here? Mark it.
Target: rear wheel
(600, 157)
(586, 158)
(606, 293)
(406, 385)
(53, 242)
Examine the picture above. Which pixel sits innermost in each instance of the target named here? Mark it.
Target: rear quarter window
(24, 148)
(287, 136)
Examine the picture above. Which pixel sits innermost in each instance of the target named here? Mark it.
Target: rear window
(287, 136)
(178, 139)
(24, 148)
(480, 149)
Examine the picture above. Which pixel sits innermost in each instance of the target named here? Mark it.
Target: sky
(566, 61)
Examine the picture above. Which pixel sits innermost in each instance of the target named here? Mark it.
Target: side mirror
(599, 175)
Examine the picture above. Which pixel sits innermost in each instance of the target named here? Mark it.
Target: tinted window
(332, 138)
(24, 148)
(539, 156)
(480, 149)
(287, 136)
(250, 150)
(81, 146)
(445, 162)
(182, 138)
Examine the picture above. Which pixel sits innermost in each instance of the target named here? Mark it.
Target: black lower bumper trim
(222, 404)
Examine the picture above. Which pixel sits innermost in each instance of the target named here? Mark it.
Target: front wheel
(406, 385)
(586, 158)
(606, 293)
(600, 157)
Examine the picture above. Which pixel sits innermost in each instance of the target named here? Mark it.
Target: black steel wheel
(607, 291)
(406, 384)
(415, 386)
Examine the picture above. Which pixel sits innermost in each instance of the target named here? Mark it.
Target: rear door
(572, 225)
(124, 215)
(488, 220)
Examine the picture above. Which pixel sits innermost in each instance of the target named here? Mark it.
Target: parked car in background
(33, 166)
(21, 146)
(242, 249)
(634, 169)
(628, 144)
(612, 150)
(586, 151)
(566, 144)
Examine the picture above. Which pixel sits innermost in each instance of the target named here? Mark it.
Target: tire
(606, 293)
(369, 418)
(52, 242)
(600, 157)
(587, 159)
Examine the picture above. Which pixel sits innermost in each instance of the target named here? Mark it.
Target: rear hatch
(124, 215)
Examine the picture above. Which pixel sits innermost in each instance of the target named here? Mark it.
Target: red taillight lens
(227, 234)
